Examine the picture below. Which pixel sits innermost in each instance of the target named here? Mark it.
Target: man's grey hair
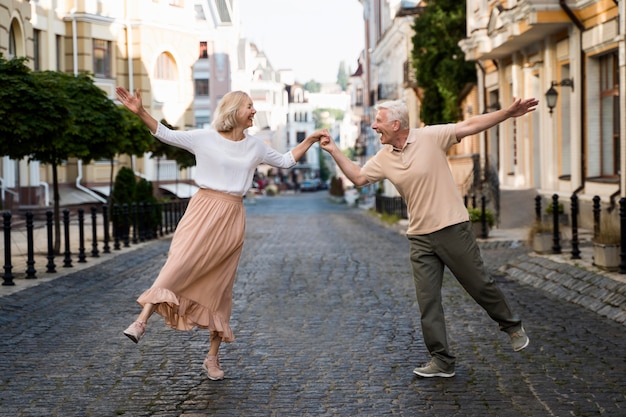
(396, 110)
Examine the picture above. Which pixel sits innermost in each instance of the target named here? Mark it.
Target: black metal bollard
(31, 272)
(116, 227)
(596, 216)
(172, 212)
(81, 236)
(622, 223)
(50, 266)
(483, 217)
(473, 200)
(149, 221)
(67, 259)
(8, 275)
(538, 208)
(465, 200)
(126, 223)
(160, 217)
(105, 224)
(94, 232)
(136, 216)
(574, 208)
(556, 248)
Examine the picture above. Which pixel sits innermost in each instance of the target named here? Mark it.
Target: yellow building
(570, 55)
(150, 45)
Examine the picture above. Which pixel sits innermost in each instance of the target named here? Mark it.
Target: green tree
(342, 76)
(313, 86)
(29, 114)
(441, 69)
(53, 116)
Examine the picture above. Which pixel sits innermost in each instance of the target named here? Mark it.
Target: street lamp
(552, 94)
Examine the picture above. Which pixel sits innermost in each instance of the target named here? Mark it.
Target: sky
(309, 37)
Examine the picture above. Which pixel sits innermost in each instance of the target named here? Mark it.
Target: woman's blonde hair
(226, 112)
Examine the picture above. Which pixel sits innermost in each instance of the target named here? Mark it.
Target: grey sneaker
(519, 339)
(431, 369)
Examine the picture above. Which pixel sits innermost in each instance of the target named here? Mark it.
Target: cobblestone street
(326, 324)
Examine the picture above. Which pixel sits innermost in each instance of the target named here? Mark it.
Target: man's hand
(328, 144)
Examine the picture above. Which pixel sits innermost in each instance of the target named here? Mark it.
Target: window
(564, 115)
(59, 52)
(204, 50)
(609, 115)
(12, 42)
(37, 50)
(102, 58)
(202, 87)
(165, 68)
(359, 96)
(224, 10)
(199, 12)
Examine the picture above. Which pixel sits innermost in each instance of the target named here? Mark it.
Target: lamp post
(552, 94)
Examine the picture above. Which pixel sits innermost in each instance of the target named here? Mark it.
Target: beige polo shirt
(421, 174)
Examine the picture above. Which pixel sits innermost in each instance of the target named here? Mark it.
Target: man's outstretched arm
(482, 122)
(349, 168)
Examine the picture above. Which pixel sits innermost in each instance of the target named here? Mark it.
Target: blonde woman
(194, 287)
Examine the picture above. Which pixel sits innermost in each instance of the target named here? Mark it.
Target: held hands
(132, 103)
(320, 135)
(522, 106)
(327, 143)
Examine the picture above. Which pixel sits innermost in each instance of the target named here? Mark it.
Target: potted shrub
(541, 237)
(606, 245)
(123, 193)
(475, 214)
(549, 217)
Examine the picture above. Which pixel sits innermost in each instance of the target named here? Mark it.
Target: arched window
(166, 68)
(14, 37)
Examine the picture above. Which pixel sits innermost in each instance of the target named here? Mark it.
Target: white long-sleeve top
(222, 164)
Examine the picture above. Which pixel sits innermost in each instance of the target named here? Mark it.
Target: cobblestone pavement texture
(326, 324)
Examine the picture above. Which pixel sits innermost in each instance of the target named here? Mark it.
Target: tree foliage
(30, 113)
(52, 116)
(183, 157)
(441, 69)
(313, 86)
(342, 76)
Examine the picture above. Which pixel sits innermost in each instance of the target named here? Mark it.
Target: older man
(439, 232)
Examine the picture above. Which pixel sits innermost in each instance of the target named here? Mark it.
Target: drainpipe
(581, 29)
(75, 59)
(83, 188)
(46, 192)
(74, 40)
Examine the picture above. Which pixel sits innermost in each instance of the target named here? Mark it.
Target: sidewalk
(19, 254)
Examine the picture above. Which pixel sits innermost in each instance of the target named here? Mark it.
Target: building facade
(182, 55)
(570, 54)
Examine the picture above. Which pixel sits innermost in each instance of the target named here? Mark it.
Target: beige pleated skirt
(194, 288)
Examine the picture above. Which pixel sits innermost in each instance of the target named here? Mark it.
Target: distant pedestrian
(439, 232)
(194, 287)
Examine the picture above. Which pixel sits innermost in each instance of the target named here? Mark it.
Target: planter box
(477, 228)
(542, 242)
(606, 257)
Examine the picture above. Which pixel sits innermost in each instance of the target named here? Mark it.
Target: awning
(104, 190)
(182, 190)
(74, 196)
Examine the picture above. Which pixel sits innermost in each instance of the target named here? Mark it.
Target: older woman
(194, 287)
